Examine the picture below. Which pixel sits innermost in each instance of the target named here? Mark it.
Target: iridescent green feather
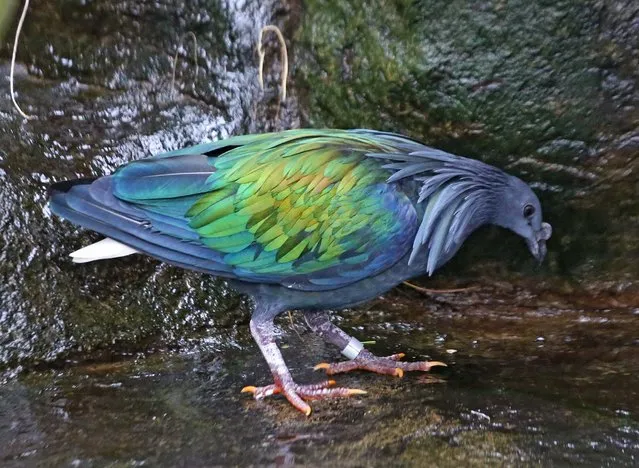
(301, 202)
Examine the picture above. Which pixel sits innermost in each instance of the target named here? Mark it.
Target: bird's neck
(484, 212)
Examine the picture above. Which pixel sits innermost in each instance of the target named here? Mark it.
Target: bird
(303, 219)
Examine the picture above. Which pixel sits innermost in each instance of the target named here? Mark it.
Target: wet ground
(533, 378)
(130, 362)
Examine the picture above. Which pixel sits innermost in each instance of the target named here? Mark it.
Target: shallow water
(534, 383)
(130, 362)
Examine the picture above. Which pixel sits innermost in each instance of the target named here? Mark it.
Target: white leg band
(353, 348)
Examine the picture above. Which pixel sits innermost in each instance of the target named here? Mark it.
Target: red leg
(262, 331)
(360, 358)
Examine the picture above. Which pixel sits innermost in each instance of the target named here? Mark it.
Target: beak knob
(537, 245)
(545, 232)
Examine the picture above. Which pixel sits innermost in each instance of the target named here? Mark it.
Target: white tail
(106, 248)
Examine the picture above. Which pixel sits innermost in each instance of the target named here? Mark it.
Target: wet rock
(507, 401)
(547, 90)
(98, 80)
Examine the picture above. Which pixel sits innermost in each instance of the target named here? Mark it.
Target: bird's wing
(306, 209)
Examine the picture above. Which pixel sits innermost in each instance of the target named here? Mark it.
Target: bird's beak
(537, 244)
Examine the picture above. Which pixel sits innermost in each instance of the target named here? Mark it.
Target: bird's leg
(262, 329)
(359, 358)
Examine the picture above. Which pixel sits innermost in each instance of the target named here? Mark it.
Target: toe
(396, 357)
(295, 399)
(309, 393)
(261, 392)
(423, 366)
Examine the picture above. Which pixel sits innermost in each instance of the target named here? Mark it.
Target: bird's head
(458, 195)
(518, 209)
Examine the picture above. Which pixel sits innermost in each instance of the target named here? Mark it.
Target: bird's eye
(529, 210)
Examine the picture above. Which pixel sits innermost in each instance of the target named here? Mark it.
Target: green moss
(7, 11)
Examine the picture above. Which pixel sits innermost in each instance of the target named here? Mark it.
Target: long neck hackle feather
(457, 195)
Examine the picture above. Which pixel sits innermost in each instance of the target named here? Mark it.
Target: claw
(437, 364)
(261, 392)
(399, 372)
(397, 357)
(322, 365)
(356, 391)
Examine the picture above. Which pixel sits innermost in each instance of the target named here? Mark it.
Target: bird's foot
(296, 393)
(388, 365)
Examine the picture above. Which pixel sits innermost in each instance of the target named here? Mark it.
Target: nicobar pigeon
(302, 219)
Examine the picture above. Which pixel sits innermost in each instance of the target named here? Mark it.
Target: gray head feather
(459, 196)
(470, 193)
